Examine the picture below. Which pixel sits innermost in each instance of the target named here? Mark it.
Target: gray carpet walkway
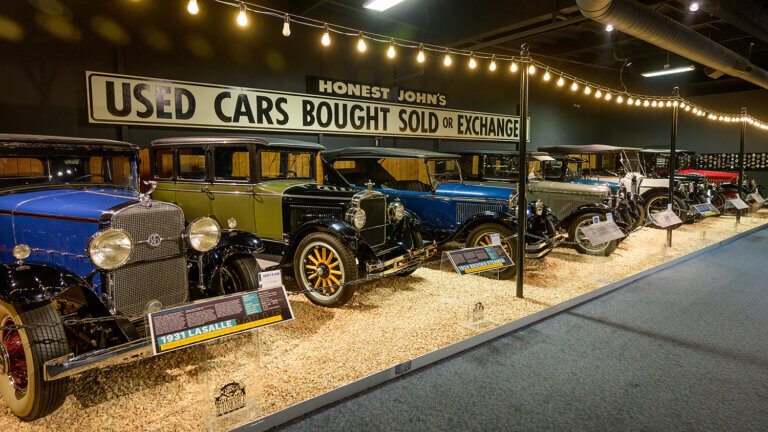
(685, 349)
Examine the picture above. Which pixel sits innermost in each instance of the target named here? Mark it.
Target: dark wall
(42, 88)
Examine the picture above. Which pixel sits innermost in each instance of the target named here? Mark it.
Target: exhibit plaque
(602, 232)
(706, 210)
(666, 219)
(738, 203)
(757, 197)
(206, 320)
(478, 259)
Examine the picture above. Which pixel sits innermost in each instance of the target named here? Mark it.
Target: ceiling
(559, 35)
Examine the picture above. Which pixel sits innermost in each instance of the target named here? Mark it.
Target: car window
(164, 163)
(232, 163)
(192, 163)
(286, 164)
(21, 167)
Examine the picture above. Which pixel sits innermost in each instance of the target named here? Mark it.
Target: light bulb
(694, 6)
(598, 94)
(361, 45)
(241, 18)
(420, 57)
(492, 66)
(683, 105)
(531, 69)
(721, 118)
(547, 76)
(326, 39)
(192, 7)
(447, 60)
(391, 50)
(472, 62)
(669, 103)
(637, 102)
(609, 28)
(574, 86)
(695, 110)
(561, 81)
(513, 67)
(286, 27)
(587, 90)
(630, 101)
(619, 99)
(653, 104)
(646, 103)
(608, 96)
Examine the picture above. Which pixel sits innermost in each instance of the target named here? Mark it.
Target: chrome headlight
(539, 207)
(21, 251)
(396, 211)
(203, 234)
(110, 248)
(356, 217)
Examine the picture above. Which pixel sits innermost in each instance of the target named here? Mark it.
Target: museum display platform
(393, 323)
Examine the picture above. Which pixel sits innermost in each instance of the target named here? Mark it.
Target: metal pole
(741, 158)
(672, 158)
(522, 169)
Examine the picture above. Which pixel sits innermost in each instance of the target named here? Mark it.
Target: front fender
(232, 242)
(586, 208)
(500, 218)
(32, 283)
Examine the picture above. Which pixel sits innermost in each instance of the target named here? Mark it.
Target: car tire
(26, 392)
(318, 260)
(238, 274)
(718, 200)
(659, 200)
(480, 236)
(583, 246)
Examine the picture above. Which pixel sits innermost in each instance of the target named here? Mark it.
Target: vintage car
(327, 235)
(431, 185)
(623, 165)
(86, 256)
(574, 205)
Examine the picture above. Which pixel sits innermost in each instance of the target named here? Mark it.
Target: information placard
(665, 219)
(478, 259)
(706, 210)
(206, 320)
(602, 232)
(738, 203)
(757, 197)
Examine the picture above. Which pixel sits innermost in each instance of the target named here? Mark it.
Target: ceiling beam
(531, 32)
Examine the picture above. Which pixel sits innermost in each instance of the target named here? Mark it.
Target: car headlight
(356, 217)
(21, 251)
(396, 211)
(539, 207)
(203, 234)
(110, 248)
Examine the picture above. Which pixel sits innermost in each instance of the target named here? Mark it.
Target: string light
(472, 62)
(192, 7)
(447, 60)
(669, 103)
(587, 90)
(513, 67)
(326, 39)
(531, 69)
(646, 103)
(286, 26)
(608, 96)
(391, 49)
(574, 86)
(619, 99)
(560, 81)
(637, 102)
(653, 104)
(492, 66)
(420, 57)
(630, 101)
(546, 75)
(241, 18)
(598, 94)
(361, 45)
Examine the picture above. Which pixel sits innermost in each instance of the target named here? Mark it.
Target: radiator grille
(152, 273)
(375, 231)
(465, 211)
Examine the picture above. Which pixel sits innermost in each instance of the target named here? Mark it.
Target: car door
(192, 181)
(231, 191)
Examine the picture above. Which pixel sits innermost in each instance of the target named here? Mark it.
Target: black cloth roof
(225, 139)
(60, 142)
(383, 152)
(587, 148)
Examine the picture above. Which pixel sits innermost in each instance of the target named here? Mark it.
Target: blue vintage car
(430, 185)
(85, 254)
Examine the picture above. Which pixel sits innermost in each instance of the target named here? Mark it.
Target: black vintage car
(86, 256)
(327, 235)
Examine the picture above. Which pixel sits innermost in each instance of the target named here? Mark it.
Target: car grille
(465, 211)
(152, 272)
(303, 213)
(375, 230)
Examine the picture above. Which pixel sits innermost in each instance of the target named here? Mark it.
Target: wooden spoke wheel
(481, 236)
(322, 263)
(485, 240)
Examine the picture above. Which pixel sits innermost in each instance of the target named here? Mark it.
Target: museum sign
(124, 99)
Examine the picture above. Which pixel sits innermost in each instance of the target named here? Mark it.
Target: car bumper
(542, 247)
(69, 365)
(393, 265)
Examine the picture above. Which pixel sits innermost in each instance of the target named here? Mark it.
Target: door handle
(204, 189)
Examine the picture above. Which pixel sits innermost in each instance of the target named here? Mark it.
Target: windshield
(553, 170)
(632, 162)
(443, 171)
(500, 167)
(287, 164)
(102, 170)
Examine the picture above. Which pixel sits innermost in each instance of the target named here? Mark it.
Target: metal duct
(644, 23)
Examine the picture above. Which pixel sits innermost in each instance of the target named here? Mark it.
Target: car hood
(569, 188)
(595, 183)
(465, 190)
(310, 190)
(82, 204)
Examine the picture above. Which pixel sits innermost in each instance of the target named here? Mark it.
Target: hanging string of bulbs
(575, 84)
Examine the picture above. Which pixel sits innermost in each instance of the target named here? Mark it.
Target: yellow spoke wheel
(322, 263)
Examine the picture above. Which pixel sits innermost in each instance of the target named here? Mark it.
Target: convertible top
(383, 152)
(225, 139)
(532, 155)
(568, 158)
(665, 150)
(29, 142)
(587, 148)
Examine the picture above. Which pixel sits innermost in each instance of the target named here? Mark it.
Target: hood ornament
(369, 184)
(145, 197)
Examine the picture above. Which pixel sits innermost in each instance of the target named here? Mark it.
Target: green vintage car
(326, 235)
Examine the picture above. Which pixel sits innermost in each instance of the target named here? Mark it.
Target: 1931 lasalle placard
(203, 321)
